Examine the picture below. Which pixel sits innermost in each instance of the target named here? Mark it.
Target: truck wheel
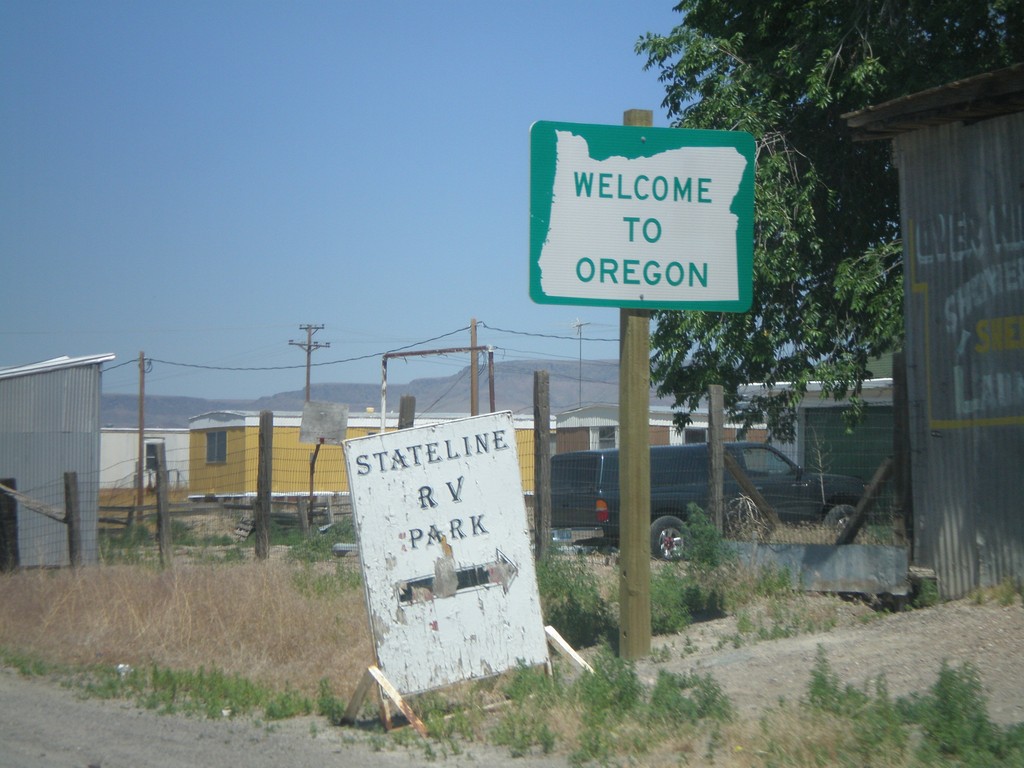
(839, 516)
(667, 538)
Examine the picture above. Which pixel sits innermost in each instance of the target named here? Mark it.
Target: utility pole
(474, 374)
(140, 470)
(578, 325)
(309, 346)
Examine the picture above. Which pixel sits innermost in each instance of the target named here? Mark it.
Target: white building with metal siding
(119, 456)
(50, 425)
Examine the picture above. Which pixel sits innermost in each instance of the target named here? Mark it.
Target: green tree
(827, 294)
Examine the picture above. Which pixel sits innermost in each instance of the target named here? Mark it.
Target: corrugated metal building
(49, 425)
(960, 153)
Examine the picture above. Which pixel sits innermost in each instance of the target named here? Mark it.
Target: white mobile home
(119, 456)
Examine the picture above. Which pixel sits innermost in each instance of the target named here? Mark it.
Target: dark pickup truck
(585, 491)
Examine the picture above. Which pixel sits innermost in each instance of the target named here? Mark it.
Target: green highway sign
(640, 217)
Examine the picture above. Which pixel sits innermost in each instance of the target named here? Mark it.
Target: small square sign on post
(641, 217)
(323, 423)
(451, 588)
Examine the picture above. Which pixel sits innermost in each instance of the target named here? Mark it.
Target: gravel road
(44, 725)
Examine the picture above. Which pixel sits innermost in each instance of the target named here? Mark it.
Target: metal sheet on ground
(860, 568)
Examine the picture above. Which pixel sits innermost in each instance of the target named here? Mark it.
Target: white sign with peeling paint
(451, 588)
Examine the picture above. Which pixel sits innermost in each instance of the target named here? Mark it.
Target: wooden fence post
(541, 463)
(163, 512)
(716, 451)
(901, 448)
(8, 527)
(304, 511)
(73, 518)
(771, 518)
(406, 412)
(860, 514)
(261, 509)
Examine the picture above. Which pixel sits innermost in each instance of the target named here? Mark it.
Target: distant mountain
(571, 384)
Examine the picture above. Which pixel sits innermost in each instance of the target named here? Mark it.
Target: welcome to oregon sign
(640, 217)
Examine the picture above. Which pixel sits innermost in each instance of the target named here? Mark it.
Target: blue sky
(196, 180)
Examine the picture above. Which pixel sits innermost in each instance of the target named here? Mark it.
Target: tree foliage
(827, 294)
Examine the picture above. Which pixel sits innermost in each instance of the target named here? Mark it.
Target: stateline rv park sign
(450, 584)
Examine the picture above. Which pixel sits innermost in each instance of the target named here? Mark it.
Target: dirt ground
(907, 648)
(43, 724)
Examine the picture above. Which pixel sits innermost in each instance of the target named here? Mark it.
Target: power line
(543, 335)
(294, 367)
(372, 355)
(444, 394)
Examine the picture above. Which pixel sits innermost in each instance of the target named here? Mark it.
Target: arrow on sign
(448, 580)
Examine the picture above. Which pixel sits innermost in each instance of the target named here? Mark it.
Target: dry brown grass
(260, 620)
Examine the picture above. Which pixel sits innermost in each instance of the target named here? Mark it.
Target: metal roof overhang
(56, 363)
(970, 100)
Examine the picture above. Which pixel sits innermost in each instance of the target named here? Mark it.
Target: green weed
(533, 684)
(26, 665)
(954, 719)
(328, 705)
(706, 550)
(572, 602)
(825, 693)
(445, 721)
(672, 593)
(613, 688)
(234, 555)
(661, 655)
(207, 692)
(1004, 593)
(527, 725)
(741, 585)
(184, 535)
(317, 547)
(610, 699)
(688, 698)
(288, 703)
(522, 729)
(926, 594)
(131, 545)
(317, 583)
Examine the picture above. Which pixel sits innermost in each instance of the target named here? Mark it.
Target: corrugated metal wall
(962, 189)
(49, 425)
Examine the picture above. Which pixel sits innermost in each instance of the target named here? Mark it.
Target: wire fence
(813, 486)
(55, 527)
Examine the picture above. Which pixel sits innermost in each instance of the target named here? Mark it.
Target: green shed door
(829, 447)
